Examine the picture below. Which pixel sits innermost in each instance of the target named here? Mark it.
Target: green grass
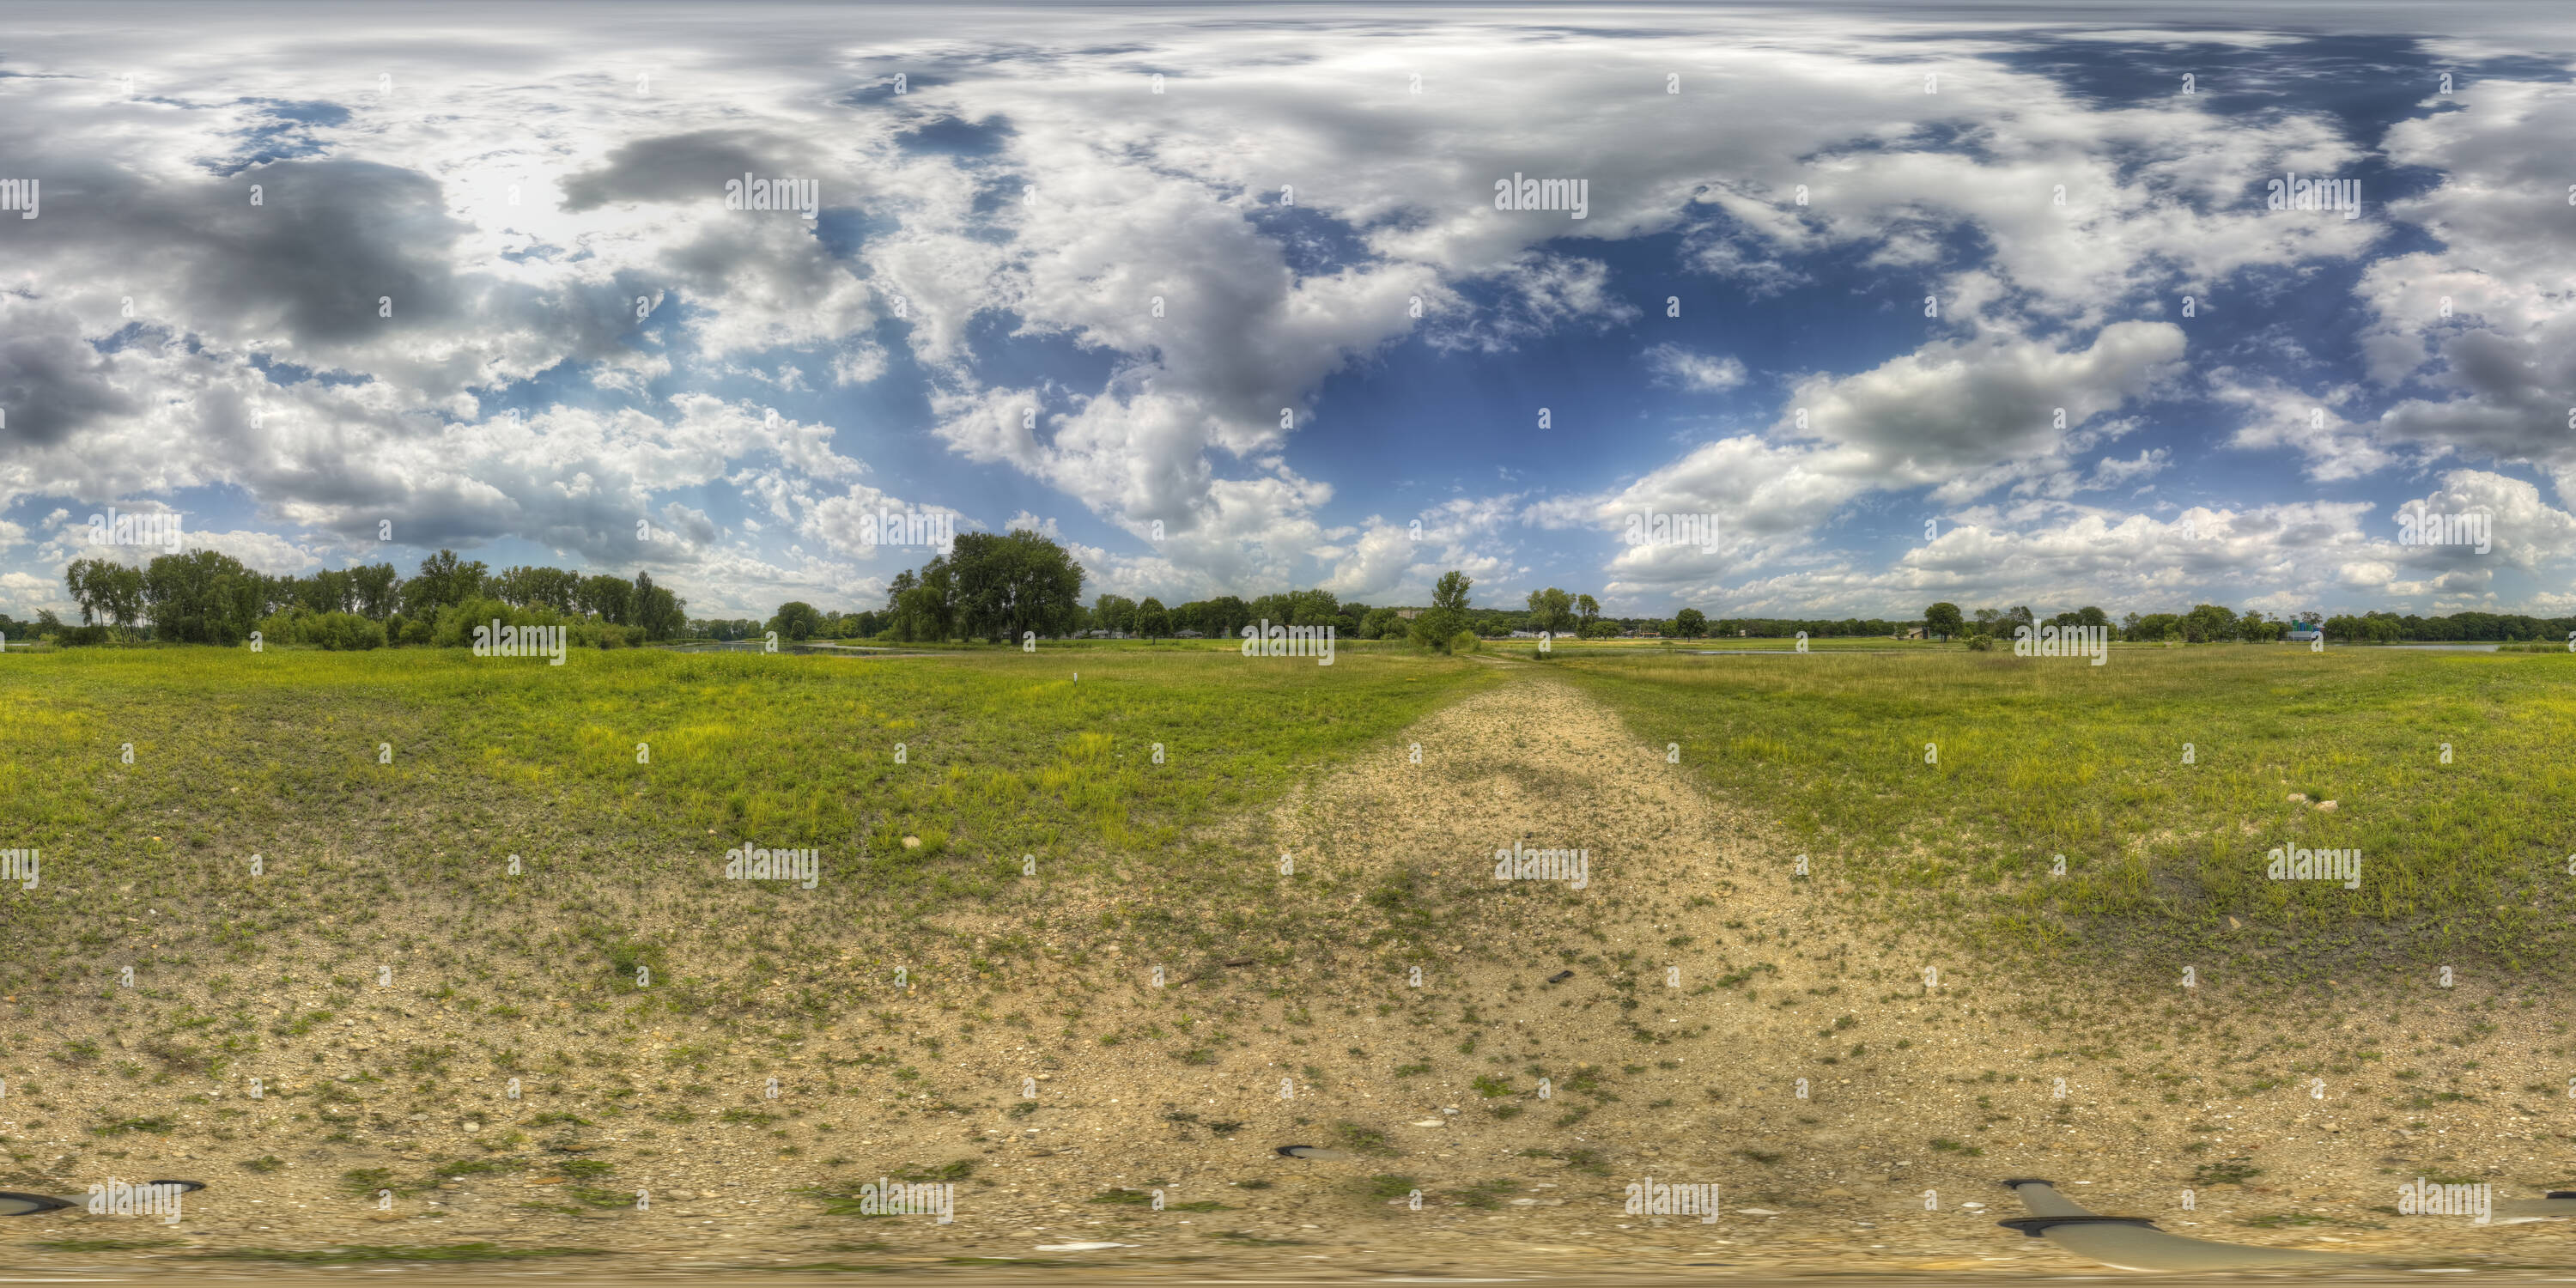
(1005, 755)
(2042, 757)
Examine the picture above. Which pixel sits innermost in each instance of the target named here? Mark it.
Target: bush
(1435, 628)
(1465, 642)
(456, 623)
(1981, 643)
(338, 632)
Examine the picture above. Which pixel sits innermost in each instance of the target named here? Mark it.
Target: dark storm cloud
(683, 168)
(51, 382)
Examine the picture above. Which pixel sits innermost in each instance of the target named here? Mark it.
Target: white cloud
(1696, 372)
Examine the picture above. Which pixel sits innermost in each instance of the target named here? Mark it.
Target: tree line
(208, 597)
(997, 587)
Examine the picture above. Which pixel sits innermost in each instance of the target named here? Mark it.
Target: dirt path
(1707, 981)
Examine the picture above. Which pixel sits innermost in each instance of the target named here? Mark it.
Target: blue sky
(1344, 381)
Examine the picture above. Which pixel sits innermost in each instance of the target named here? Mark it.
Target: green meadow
(387, 792)
(2164, 777)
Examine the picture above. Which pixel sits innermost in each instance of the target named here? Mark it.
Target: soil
(1708, 979)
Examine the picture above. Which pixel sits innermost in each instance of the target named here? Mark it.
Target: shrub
(1434, 628)
(457, 622)
(1465, 642)
(337, 632)
(1981, 643)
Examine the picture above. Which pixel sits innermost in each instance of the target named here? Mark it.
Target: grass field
(2164, 777)
(1004, 756)
(1124, 1019)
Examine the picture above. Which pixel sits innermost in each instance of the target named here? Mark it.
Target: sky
(1987, 305)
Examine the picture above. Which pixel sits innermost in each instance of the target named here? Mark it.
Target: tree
(107, 591)
(1312, 608)
(2207, 622)
(2091, 616)
(1551, 610)
(1114, 613)
(656, 610)
(327, 591)
(1943, 620)
(203, 597)
(441, 581)
(1438, 627)
(610, 597)
(538, 588)
(1690, 624)
(375, 588)
(1011, 583)
(1451, 593)
(1152, 621)
(1587, 610)
(796, 620)
(927, 609)
(1377, 624)
(1225, 616)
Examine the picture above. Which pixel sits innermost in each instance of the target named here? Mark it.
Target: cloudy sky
(1982, 309)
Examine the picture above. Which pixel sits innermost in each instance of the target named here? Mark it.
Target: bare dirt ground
(1708, 981)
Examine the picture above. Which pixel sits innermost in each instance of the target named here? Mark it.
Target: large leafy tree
(107, 591)
(2208, 622)
(203, 597)
(1114, 613)
(927, 609)
(796, 620)
(1943, 620)
(611, 597)
(1551, 610)
(1690, 623)
(1435, 626)
(377, 589)
(523, 587)
(656, 610)
(1008, 583)
(443, 580)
